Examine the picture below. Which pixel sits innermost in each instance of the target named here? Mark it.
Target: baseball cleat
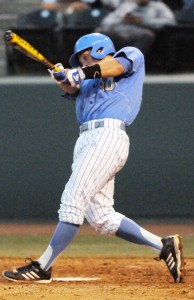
(31, 272)
(172, 254)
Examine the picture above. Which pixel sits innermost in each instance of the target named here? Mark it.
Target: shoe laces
(30, 262)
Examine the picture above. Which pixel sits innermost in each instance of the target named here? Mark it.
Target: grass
(83, 245)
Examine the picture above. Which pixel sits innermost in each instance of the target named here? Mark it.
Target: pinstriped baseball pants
(98, 155)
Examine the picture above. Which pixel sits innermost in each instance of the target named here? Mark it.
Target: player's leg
(134, 233)
(40, 270)
(101, 215)
(170, 248)
(91, 168)
(63, 235)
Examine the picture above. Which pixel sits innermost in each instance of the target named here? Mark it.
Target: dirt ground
(115, 279)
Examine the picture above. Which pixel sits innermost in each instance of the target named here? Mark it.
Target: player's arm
(110, 68)
(70, 79)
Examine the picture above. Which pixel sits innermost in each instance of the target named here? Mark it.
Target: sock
(63, 235)
(132, 232)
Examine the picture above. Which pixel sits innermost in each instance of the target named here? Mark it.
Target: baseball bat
(23, 46)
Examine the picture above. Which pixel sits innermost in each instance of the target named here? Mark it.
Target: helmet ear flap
(96, 52)
(100, 50)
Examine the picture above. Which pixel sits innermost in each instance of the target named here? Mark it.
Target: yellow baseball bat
(23, 46)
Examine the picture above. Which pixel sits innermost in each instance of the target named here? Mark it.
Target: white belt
(110, 123)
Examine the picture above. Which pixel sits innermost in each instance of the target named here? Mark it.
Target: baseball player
(108, 87)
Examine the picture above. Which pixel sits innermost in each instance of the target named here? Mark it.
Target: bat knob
(7, 35)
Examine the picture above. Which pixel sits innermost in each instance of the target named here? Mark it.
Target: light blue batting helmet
(95, 41)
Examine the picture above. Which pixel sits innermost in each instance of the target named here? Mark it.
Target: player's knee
(71, 210)
(70, 218)
(106, 227)
(108, 223)
(70, 214)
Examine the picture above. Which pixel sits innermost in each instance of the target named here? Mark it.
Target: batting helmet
(95, 41)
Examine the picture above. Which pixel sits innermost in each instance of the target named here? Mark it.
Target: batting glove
(59, 76)
(75, 76)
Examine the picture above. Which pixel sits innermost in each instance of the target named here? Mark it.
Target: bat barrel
(27, 49)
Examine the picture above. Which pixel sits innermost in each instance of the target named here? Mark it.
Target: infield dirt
(120, 279)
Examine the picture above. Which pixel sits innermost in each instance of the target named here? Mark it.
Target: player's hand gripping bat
(23, 46)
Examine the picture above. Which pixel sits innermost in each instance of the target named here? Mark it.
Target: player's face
(85, 58)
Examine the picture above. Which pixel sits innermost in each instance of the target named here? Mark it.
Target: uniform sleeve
(126, 63)
(134, 55)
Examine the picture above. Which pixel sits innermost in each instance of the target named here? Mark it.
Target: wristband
(92, 71)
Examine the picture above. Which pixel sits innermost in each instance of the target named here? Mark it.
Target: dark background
(38, 132)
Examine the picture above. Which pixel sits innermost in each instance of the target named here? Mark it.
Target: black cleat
(172, 254)
(31, 272)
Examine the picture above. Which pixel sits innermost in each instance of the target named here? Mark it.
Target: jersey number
(107, 84)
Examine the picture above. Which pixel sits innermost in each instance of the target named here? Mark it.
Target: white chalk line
(67, 279)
